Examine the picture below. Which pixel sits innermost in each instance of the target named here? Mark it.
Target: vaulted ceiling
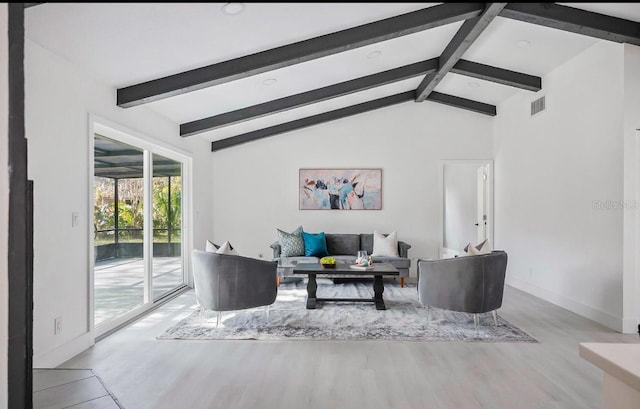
(470, 55)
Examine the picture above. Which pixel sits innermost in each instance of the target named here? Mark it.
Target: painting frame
(340, 188)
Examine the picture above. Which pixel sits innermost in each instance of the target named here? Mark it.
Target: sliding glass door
(137, 229)
(167, 226)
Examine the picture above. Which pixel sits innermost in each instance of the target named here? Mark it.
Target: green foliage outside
(131, 210)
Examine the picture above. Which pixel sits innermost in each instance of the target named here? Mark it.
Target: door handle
(476, 224)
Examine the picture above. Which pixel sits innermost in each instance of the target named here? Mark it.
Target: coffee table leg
(312, 286)
(378, 289)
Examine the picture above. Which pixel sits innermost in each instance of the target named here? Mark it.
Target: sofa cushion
(315, 244)
(293, 261)
(366, 243)
(397, 262)
(291, 244)
(343, 244)
(345, 259)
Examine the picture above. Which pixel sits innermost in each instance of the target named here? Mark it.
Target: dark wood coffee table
(314, 269)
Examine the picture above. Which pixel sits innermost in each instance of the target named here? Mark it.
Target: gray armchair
(226, 282)
(473, 284)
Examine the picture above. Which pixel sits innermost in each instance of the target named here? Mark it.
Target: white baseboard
(630, 325)
(602, 317)
(64, 352)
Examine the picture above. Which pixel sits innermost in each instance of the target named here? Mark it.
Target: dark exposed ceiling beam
(463, 67)
(312, 120)
(309, 97)
(458, 102)
(575, 20)
(348, 111)
(459, 44)
(295, 53)
(498, 75)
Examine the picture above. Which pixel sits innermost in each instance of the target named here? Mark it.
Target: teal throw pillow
(315, 245)
(291, 244)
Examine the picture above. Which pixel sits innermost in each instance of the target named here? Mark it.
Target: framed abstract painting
(340, 189)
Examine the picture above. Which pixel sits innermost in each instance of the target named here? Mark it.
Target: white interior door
(482, 205)
(466, 204)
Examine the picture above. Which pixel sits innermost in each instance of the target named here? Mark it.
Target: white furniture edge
(621, 361)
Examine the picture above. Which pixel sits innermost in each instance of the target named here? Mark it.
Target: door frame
(442, 253)
(129, 136)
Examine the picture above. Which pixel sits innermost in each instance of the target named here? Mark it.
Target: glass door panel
(167, 226)
(119, 272)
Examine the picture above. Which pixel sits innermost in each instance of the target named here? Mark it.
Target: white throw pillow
(466, 252)
(482, 248)
(385, 246)
(473, 251)
(211, 247)
(227, 249)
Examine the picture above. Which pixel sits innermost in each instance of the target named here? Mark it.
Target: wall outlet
(57, 325)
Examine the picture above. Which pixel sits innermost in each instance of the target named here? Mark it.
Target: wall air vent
(537, 106)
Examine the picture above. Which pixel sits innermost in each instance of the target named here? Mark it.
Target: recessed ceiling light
(473, 84)
(523, 43)
(269, 81)
(233, 8)
(374, 54)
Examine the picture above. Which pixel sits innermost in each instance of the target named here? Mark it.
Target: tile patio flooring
(119, 284)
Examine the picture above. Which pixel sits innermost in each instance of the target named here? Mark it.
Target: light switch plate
(74, 219)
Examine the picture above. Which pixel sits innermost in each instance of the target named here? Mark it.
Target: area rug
(405, 319)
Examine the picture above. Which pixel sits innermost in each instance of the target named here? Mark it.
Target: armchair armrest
(403, 249)
(276, 249)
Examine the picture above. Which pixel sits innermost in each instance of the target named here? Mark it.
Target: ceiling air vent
(537, 106)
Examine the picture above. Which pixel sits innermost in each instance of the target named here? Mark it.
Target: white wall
(460, 205)
(4, 205)
(549, 170)
(631, 294)
(59, 99)
(256, 184)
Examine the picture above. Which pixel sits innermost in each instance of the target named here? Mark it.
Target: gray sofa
(344, 248)
(473, 284)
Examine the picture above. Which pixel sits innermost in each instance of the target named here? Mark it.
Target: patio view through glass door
(137, 229)
(167, 226)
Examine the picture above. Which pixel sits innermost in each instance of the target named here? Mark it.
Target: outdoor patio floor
(119, 284)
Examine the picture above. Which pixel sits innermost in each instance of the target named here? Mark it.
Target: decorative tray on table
(359, 267)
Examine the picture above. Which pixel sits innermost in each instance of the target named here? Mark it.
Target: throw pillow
(315, 245)
(212, 247)
(291, 244)
(226, 248)
(465, 251)
(482, 248)
(385, 246)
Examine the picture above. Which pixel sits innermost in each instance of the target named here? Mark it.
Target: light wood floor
(70, 388)
(143, 372)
